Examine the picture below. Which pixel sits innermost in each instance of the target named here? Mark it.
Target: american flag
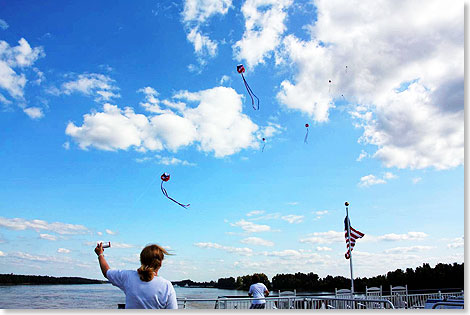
(355, 234)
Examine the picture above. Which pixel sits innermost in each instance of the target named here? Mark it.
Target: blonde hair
(151, 258)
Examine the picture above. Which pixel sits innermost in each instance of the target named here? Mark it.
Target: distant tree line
(423, 277)
(11, 279)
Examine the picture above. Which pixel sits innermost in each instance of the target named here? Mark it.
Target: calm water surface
(92, 296)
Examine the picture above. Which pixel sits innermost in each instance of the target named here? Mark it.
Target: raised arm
(103, 264)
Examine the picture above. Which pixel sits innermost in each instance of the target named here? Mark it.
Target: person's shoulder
(161, 279)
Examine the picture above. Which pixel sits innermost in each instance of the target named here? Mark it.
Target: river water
(90, 296)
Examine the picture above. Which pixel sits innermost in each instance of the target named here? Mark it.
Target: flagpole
(349, 248)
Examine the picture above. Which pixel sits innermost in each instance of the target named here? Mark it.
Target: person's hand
(99, 249)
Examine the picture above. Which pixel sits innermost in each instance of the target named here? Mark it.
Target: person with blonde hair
(144, 288)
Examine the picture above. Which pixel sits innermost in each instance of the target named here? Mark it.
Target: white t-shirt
(258, 289)
(157, 293)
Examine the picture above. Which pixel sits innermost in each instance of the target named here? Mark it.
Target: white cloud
(91, 84)
(264, 26)
(18, 57)
(293, 203)
(63, 250)
(416, 180)
(167, 160)
(257, 241)
(363, 155)
(40, 225)
(370, 179)
(203, 45)
(457, 243)
(213, 126)
(225, 78)
(201, 10)
(270, 130)
(66, 145)
(292, 218)
(3, 25)
(99, 233)
(254, 212)
(320, 214)
(237, 250)
(195, 15)
(268, 216)
(48, 237)
(2, 253)
(110, 232)
(409, 249)
(251, 227)
(324, 237)
(324, 249)
(410, 107)
(34, 112)
(403, 237)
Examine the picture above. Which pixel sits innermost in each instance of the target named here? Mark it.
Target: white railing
(288, 302)
(418, 300)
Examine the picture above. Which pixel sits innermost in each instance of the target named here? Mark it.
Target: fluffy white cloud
(34, 112)
(254, 212)
(195, 14)
(2, 253)
(257, 241)
(324, 249)
(264, 26)
(165, 160)
(251, 227)
(17, 57)
(237, 250)
(403, 237)
(201, 10)
(370, 179)
(110, 232)
(40, 225)
(292, 218)
(100, 86)
(48, 237)
(362, 155)
(218, 127)
(324, 237)
(457, 243)
(63, 250)
(411, 106)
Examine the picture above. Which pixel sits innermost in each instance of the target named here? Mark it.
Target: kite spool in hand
(241, 70)
(166, 177)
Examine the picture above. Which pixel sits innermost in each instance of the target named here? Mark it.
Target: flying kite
(264, 144)
(241, 70)
(166, 177)
(306, 135)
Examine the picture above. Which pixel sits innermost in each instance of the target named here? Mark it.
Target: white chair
(399, 296)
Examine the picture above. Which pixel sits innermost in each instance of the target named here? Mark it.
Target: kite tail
(262, 150)
(306, 136)
(166, 195)
(250, 92)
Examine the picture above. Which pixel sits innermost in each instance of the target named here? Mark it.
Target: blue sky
(100, 98)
